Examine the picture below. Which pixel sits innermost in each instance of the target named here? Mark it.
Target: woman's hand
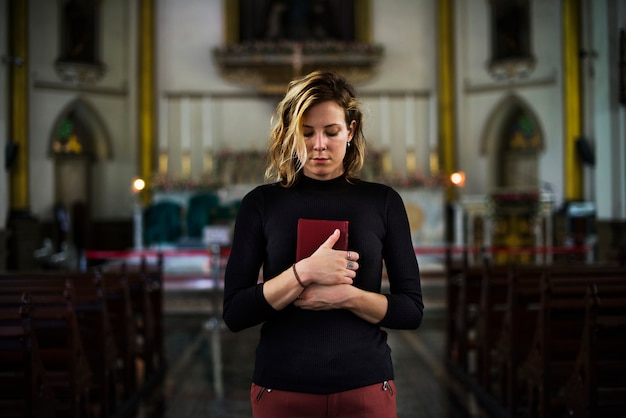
(328, 286)
(327, 266)
(369, 306)
(322, 298)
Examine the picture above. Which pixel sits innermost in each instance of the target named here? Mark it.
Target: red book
(313, 232)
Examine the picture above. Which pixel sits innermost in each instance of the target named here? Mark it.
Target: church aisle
(209, 370)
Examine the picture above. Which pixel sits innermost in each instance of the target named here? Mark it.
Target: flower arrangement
(410, 180)
(248, 166)
(163, 183)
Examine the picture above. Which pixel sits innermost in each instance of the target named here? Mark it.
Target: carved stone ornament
(511, 69)
(269, 66)
(79, 72)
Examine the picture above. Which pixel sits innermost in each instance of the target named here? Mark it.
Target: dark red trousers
(375, 401)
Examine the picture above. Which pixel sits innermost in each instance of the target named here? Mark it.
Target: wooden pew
(24, 390)
(493, 304)
(597, 386)
(146, 295)
(463, 313)
(62, 354)
(514, 337)
(99, 339)
(116, 294)
(85, 298)
(110, 306)
(557, 336)
(154, 283)
(453, 283)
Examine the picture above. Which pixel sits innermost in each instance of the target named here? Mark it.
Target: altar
(506, 226)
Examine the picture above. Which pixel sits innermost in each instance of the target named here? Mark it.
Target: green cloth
(163, 223)
(201, 212)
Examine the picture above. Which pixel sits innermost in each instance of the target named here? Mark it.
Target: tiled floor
(209, 371)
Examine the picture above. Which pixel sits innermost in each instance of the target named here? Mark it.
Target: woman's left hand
(370, 306)
(321, 298)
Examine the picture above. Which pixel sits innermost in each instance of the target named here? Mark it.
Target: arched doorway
(77, 141)
(513, 142)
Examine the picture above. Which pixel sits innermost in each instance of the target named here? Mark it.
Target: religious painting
(297, 20)
(78, 35)
(510, 29)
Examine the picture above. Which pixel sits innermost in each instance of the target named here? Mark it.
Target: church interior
(131, 130)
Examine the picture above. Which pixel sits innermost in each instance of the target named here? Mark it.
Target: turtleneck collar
(309, 181)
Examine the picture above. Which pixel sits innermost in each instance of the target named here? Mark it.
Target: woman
(322, 350)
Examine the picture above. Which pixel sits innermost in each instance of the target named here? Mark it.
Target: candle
(185, 128)
(384, 121)
(409, 121)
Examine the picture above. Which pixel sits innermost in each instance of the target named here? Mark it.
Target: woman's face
(326, 137)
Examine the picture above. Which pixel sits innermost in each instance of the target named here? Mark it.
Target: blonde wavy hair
(287, 149)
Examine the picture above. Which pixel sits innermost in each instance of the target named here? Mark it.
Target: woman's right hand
(327, 266)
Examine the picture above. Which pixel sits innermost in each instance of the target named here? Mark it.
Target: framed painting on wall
(297, 20)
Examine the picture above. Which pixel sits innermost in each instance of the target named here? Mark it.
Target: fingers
(352, 256)
(331, 240)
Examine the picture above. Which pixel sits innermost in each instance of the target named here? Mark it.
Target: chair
(163, 222)
(201, 212)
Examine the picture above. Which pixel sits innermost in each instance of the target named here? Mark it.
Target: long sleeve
(244, 303)
(297, 345)
(405, 308)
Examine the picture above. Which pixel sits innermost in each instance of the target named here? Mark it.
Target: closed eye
(328, 134)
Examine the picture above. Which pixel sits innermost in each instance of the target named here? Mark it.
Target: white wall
(241, 118)
(111, 98)
(399, 100)
(479, 95)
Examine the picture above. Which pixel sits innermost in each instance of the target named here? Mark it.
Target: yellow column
(231, 28)
(147, 106)
(572, 115)
(363, 17)
(18, 107)
(446, 122)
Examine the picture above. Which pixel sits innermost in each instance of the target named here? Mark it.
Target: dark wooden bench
(463, 315)
(85, 298)
(514, 337)
(99, 338)
(557, 336)
(597, 386)
(54, 323)
(492, 311)
(116, 293)
(24, 389)
(146, 295)
(120, 322)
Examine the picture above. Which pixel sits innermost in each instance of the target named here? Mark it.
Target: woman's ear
(351, 130)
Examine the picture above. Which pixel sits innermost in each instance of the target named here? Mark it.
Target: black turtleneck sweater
(321, 351)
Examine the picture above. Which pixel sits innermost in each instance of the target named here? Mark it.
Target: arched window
(70, 137)
(521, 144)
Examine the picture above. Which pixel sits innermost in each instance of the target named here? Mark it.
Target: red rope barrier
(121, 254)
(501, 250)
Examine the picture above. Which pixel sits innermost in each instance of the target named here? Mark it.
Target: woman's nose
(320, 142)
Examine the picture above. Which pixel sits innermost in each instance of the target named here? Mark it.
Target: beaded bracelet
(295, 273)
